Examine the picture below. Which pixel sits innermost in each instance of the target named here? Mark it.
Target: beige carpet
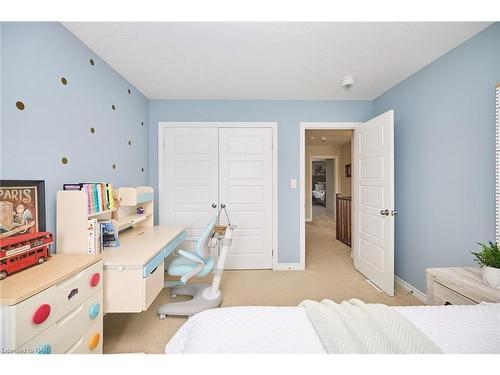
(329, 274)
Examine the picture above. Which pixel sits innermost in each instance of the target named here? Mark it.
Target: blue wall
(288, 115)
(445, 157)
(57, 118)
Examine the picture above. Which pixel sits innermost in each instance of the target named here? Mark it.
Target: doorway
(329, 188)
(369, 209)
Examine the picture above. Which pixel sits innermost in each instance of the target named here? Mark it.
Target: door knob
(394, 212)
(214, 205)
(384, 212)
(223, 205)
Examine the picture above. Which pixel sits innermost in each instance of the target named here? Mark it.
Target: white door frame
(303, 127)
(335, 172)
(181, 124)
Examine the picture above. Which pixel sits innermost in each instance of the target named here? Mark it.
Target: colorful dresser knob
(44, 349)
(41, 314)
(94, 281)
(94, 341)
(94, 310)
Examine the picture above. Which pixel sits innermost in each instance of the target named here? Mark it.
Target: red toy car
(20, 252)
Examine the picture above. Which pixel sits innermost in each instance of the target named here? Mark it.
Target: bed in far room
(319, 196)
(447, 329)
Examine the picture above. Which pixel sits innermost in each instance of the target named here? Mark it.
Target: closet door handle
(222, 205)
(214, 205)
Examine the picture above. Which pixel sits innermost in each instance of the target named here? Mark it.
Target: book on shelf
(109, 234)
(109, 196)
(93, 235)
(101, 234)
(99, 195)
(72, 186)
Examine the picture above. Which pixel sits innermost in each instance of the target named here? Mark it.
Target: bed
(453, 329)
(319, 196)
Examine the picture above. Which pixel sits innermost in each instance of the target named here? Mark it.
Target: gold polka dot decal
(113, 107)
(91, 62)
(64, 160)
(20, 105)
(114, 166)
(64, 81)
(92, 130)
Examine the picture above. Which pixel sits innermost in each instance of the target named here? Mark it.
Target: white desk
(134, 271)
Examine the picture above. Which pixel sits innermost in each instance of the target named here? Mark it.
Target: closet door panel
(245, 187)
(191, 177)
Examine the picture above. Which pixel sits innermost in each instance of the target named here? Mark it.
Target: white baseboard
(288, 267)
(410, 288)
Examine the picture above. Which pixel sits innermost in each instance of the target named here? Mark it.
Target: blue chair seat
(179, 266)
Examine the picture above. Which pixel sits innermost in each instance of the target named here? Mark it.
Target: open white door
(373, 201)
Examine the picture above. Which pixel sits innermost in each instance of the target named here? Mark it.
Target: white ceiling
(333, 137)
(182, 60)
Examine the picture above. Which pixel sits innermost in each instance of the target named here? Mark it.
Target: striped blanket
(355, 327)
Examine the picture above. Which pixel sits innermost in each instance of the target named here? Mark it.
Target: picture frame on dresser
(22, 207)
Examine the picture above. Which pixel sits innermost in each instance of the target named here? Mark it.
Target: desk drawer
(153, 284)
(36, 314)
(59, 337)
(90, 342)
(152, 264)
(446, 296)
(176, 242)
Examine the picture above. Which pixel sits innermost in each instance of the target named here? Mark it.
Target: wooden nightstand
(458, 286)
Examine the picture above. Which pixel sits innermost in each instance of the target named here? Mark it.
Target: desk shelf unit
(72, 215)
(129, 199)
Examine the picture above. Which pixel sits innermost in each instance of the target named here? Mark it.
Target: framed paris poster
(22, 207)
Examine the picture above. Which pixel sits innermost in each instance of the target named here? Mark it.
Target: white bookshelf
(72, 215)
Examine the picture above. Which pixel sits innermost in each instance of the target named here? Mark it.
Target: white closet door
(373, 201)
(245, 187)
(191, 177)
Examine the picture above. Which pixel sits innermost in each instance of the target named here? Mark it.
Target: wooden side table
(458, 286)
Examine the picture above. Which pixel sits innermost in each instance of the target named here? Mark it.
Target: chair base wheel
(174, 296)
(162, 316)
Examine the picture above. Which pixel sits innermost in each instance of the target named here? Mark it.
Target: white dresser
(458, 286)
(55, 307)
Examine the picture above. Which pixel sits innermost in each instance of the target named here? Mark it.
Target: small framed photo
(22, 207)
(348, 170)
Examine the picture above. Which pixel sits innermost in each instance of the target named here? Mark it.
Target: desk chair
(197, 264)
(187, 264)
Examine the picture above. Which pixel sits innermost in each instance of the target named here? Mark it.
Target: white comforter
(454, 329)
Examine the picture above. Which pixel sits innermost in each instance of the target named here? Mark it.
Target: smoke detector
(348, 82)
